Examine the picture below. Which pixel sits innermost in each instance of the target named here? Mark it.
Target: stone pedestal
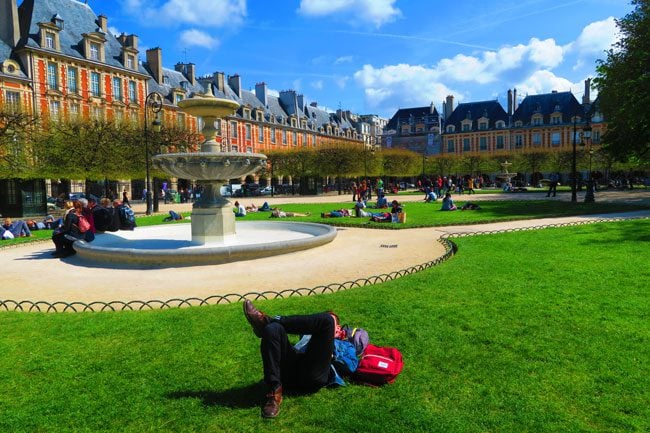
(212, 224)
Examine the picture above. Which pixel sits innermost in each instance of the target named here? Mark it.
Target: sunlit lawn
(543, 331)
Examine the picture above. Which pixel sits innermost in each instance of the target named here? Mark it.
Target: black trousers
(285, 366)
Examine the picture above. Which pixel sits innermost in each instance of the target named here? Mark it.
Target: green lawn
(420, 214)
(540, 331)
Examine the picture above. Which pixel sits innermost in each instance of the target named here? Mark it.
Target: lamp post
(586, 133)
(574, 171)
(154, 103)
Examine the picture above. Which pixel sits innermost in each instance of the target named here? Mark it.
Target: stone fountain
(212, 216)
(214, 237)
(507, 176)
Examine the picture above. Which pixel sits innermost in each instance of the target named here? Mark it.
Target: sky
(376, 56)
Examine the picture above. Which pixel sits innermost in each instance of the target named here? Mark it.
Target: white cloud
(318, 85)
(194, 37)
(597, 37)
(376, 12)
(544, 81)
(203, 13)
(343, 59)
(114, 31)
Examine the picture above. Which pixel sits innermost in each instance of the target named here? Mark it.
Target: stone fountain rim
(210, 255)
(193, 155)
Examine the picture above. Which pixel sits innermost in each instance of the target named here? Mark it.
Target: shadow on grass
(244, 397)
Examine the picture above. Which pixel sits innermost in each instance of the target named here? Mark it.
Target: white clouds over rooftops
(204, 13)
(194, 37)
(529, 67)
(376, 12)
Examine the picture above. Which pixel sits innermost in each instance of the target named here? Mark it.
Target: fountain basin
(208, 106)
(172, 246)
(209, 165)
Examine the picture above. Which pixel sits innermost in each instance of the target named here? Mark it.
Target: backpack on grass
(378, 366)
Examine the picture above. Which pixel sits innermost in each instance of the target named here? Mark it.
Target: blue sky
(375, 56)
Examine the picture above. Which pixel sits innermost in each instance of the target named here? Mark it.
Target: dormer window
(500, 124)
(94, 46)
(94, 51)
(537, 120)
(483, 126)
(557, 107)
(184, 85)
(451, 128)
(130, 62)
(165, 79)
(58, 21)
(49, 34)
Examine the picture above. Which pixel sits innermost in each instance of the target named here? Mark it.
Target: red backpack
(378, 365)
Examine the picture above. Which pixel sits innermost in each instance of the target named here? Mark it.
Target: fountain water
(214, 238)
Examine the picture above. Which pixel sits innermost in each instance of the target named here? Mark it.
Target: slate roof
(547, 103)
(403, 114)
(492, 110)
(5, 53)
(78, 18)
(175, 80)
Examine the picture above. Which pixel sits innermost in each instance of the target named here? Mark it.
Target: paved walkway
(30, 274)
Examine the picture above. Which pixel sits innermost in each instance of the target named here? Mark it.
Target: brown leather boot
(255, 317)
(271, 408)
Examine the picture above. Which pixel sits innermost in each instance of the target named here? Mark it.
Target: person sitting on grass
(431, 196)
(265, 207)
(448, 203)
(252, 208)
(240, 210)
(382, 202)
(470, 206)
(17, 228)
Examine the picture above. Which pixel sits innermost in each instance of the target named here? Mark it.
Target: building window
(555, 120)
(233, 129)
(74, 110)
(284, 136)
(499, 141)
(294, 138)
(519, 140)
(555, 138)
(130, 63)
(537, 139)
(466, 127)
(52, 76)
(117, 88)
(12, 101)
(483, 143)
(133, 94)
(94, 84)
(248, 132)
(50, 40)
(94, 51)
(249, 149)
(500, 124)
(119, 115)
(451, 128)
(72, 80)
(537, 121)
(304, 139)
(273, 135)
(519, 123)
(595, 137)
(234, 148)
(450, 146)
(180, 120)
(260, 133)
(466, 145)
(55, 109)
(179, 98)
(483, 126)
(97, 113)
(217, 127)
(165, 79)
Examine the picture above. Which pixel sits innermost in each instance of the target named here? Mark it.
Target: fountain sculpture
(214, 238)
(506, 175)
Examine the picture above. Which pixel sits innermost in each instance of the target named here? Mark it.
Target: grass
(420, 214)
(542, 331)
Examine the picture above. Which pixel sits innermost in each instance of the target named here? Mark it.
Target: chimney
(219, 78)
(314, 104)
(154, 61)
(432, 108)
(122, 39)
(301, 102)
(261, 93)
(190, 73)
(179, 67)
(449, 106)
(509, 102)
(9, 25)
(102, 22)
(586, 97)
(132, 41)
(234, 82)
